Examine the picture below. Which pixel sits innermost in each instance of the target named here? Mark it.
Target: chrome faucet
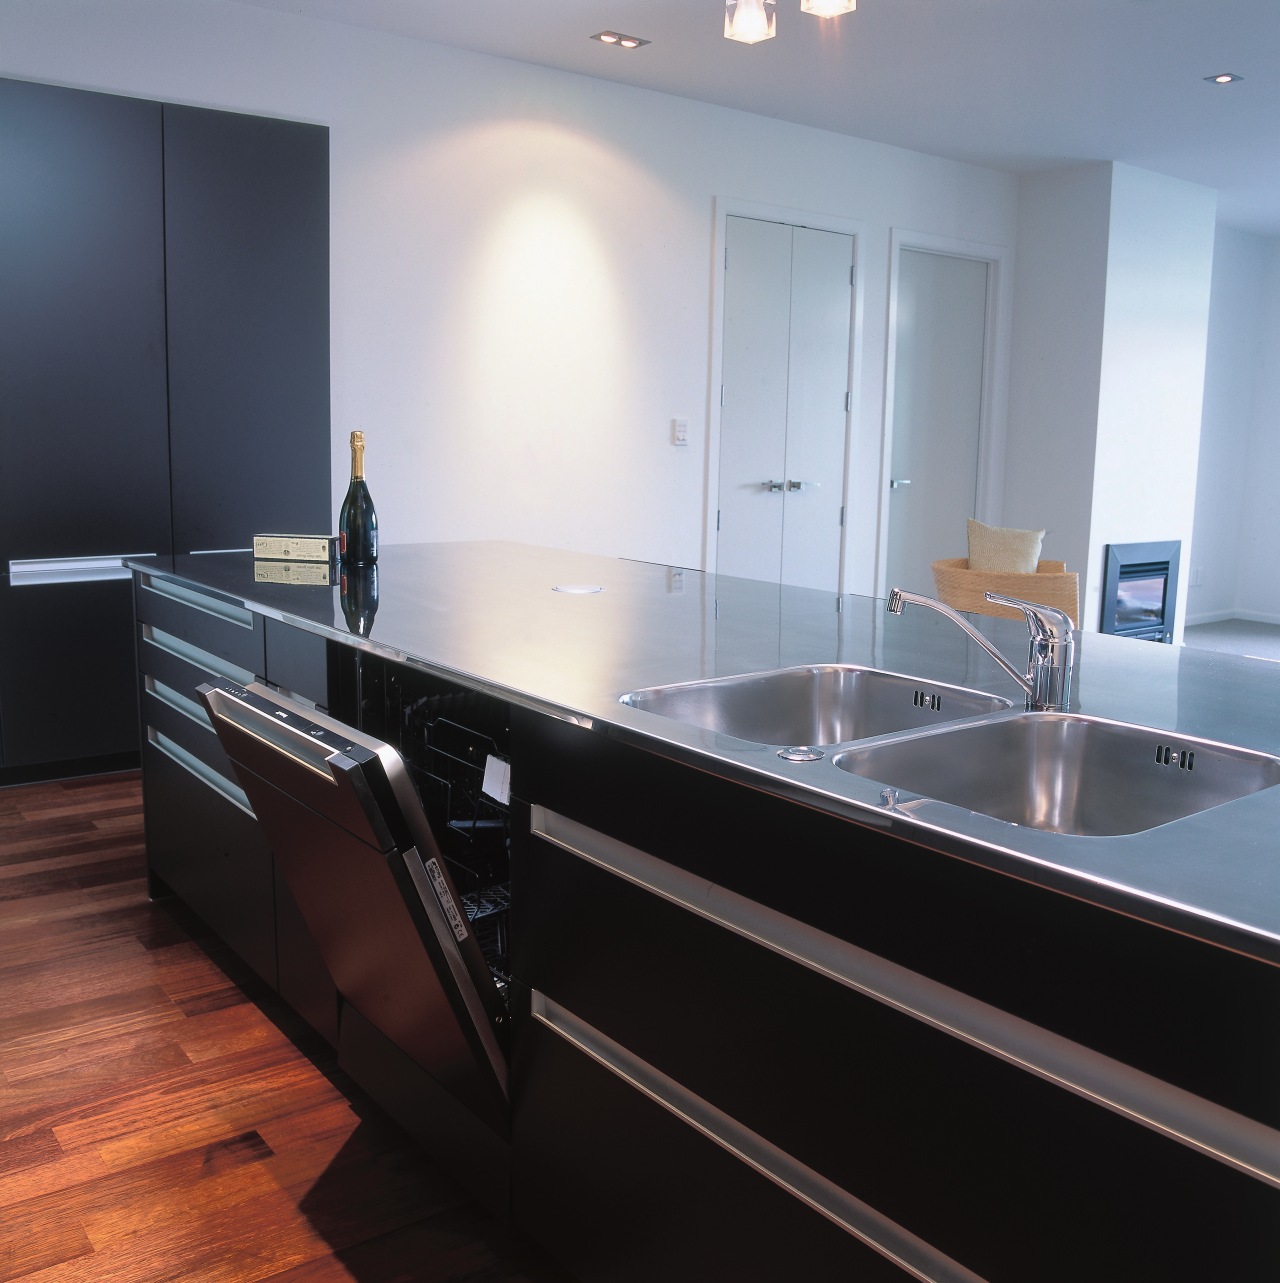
(1047, 683)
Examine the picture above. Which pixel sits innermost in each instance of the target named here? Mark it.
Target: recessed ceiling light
(617, 38)
(1224, 78)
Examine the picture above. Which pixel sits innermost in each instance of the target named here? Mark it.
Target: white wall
(1232, 365)
(1258, 565)
(522, 259)
(1159, 269)
(1060, 292)
(1111, 317)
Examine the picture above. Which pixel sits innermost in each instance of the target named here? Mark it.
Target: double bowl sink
(1056, 772)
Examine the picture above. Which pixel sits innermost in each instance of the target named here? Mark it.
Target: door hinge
(853, 276)
(717, 521)
(848, 402)
(722, 394)
(842, 516)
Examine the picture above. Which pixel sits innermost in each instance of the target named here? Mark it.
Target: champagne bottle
(357, 522)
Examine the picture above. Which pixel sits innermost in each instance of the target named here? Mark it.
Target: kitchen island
(768, 1021)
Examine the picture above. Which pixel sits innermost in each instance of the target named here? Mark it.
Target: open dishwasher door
(348, 832)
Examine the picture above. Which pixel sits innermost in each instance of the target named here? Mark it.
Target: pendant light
(749, 21)
(828, 8)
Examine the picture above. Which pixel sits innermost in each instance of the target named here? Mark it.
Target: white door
(940, 345)
(787, 321)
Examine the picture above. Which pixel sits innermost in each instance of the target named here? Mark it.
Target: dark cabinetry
(677, 1021)
(247, 281)
(82, 325)
(66, 673)
(163, 378)
(83, 411)
(750, 1039)
(203, 841)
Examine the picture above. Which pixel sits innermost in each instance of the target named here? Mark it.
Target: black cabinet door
(68, 688)
(83, 412)
(247, 259)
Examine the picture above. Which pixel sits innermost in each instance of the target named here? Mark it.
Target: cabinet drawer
(183, 727)
(1083, 971)
(180, 665)
(929, 1107)
(209, 850)
(221, 627)
(624, 1190)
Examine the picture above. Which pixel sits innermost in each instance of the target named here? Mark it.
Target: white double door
(788, 297)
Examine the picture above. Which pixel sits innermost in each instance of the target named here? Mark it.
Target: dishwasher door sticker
(456, 920)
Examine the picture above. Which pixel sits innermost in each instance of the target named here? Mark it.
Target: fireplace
(1140, 590)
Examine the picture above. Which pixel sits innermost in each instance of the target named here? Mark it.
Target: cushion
(1002, 549)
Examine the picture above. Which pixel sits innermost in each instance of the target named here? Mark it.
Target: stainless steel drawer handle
(27, 573)
(224, 610)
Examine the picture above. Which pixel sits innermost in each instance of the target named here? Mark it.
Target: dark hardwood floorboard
(158, 1121)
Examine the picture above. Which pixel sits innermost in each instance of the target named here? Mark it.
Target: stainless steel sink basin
(1066, 773)
(824, 704)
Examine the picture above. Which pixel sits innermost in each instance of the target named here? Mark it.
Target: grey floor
(1237, 636)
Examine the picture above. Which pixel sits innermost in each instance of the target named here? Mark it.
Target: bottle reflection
(358, 591)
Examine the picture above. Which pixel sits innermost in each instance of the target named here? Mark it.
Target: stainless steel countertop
(490, 615)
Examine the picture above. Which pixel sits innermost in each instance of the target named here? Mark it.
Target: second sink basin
(820, 704)
(1067, 773)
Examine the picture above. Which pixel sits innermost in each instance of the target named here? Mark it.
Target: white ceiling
(1014, 84)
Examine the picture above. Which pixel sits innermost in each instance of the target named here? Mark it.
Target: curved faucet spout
(1047, 683)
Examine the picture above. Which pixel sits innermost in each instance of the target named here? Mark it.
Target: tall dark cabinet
(164, 380)
(247, 275)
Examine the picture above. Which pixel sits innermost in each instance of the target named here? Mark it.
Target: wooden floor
(155, 1123)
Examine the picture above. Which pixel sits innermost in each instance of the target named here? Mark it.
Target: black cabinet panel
(83, 411)
(247, 258)
(212, 854)
(68, 687)
(1077, 969)
(927, 1129)
(298, 662)
(164, 353)
(622, 1191)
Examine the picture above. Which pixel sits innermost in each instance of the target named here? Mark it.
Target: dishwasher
(351, 839)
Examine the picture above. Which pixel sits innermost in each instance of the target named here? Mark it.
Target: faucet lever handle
(1047, 623)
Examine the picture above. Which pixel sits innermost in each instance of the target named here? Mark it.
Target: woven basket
(963, 589)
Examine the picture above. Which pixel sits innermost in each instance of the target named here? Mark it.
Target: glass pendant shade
(749, 21)
(828, 8)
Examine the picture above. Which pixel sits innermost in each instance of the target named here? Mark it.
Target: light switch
(679, 431)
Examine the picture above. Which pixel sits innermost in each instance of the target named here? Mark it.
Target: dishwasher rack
(448, 737)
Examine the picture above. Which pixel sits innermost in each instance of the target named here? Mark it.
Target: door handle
(802, 485)
(897, 483)
(771, 485)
